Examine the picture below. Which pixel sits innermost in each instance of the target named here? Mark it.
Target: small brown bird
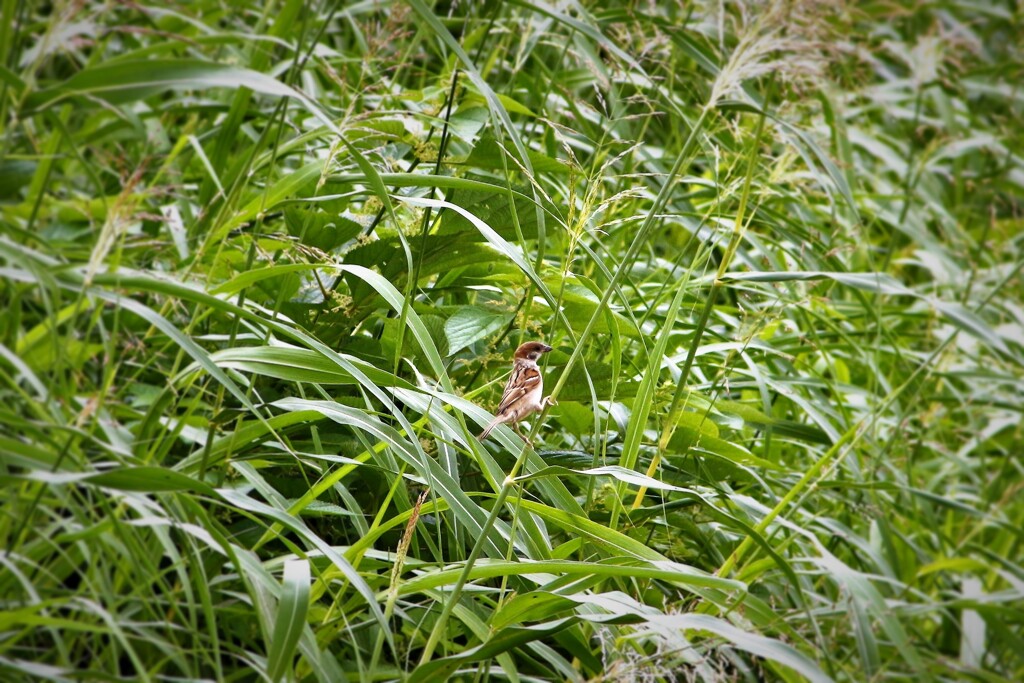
(523, 391)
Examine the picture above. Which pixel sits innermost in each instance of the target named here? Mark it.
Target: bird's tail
(489, 428)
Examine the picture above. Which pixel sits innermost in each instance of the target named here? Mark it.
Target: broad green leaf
(124, 81)
(751, 643)
(953, 564)
(296, 364)
(880, 283)
(504, 640)
(292, 607)
(531, 606)
(141, 479)
(620, 473)
(660, 569)
(487, 154)
(973, 324)
(468, 512)
(269, 199)
(471, 324)
(295, 525)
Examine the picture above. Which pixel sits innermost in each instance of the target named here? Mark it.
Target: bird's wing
(523, 379)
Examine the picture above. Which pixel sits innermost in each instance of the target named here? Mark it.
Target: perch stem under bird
(523, 391)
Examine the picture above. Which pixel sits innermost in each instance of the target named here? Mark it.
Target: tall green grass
(263, 267)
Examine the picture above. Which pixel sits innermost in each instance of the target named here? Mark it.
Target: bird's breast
(534, 398)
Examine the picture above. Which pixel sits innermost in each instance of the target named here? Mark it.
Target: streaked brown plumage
(523, 390)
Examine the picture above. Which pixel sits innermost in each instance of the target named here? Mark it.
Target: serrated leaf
(488, 154)
(470, 325)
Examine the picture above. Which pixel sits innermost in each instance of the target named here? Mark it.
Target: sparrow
(523, 391)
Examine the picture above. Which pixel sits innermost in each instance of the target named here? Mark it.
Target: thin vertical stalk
(739, 227)
(627, 260)
(449, 605)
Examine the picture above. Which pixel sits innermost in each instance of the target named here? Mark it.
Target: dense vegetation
(263, 266)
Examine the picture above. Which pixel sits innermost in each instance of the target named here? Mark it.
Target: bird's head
(532, 350)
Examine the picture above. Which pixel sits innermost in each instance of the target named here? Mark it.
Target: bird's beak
(545, 348)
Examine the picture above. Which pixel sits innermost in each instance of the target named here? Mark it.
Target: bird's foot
(522, 436)
(548, 400)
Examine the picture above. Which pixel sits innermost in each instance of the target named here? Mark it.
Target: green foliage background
(263, 266)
